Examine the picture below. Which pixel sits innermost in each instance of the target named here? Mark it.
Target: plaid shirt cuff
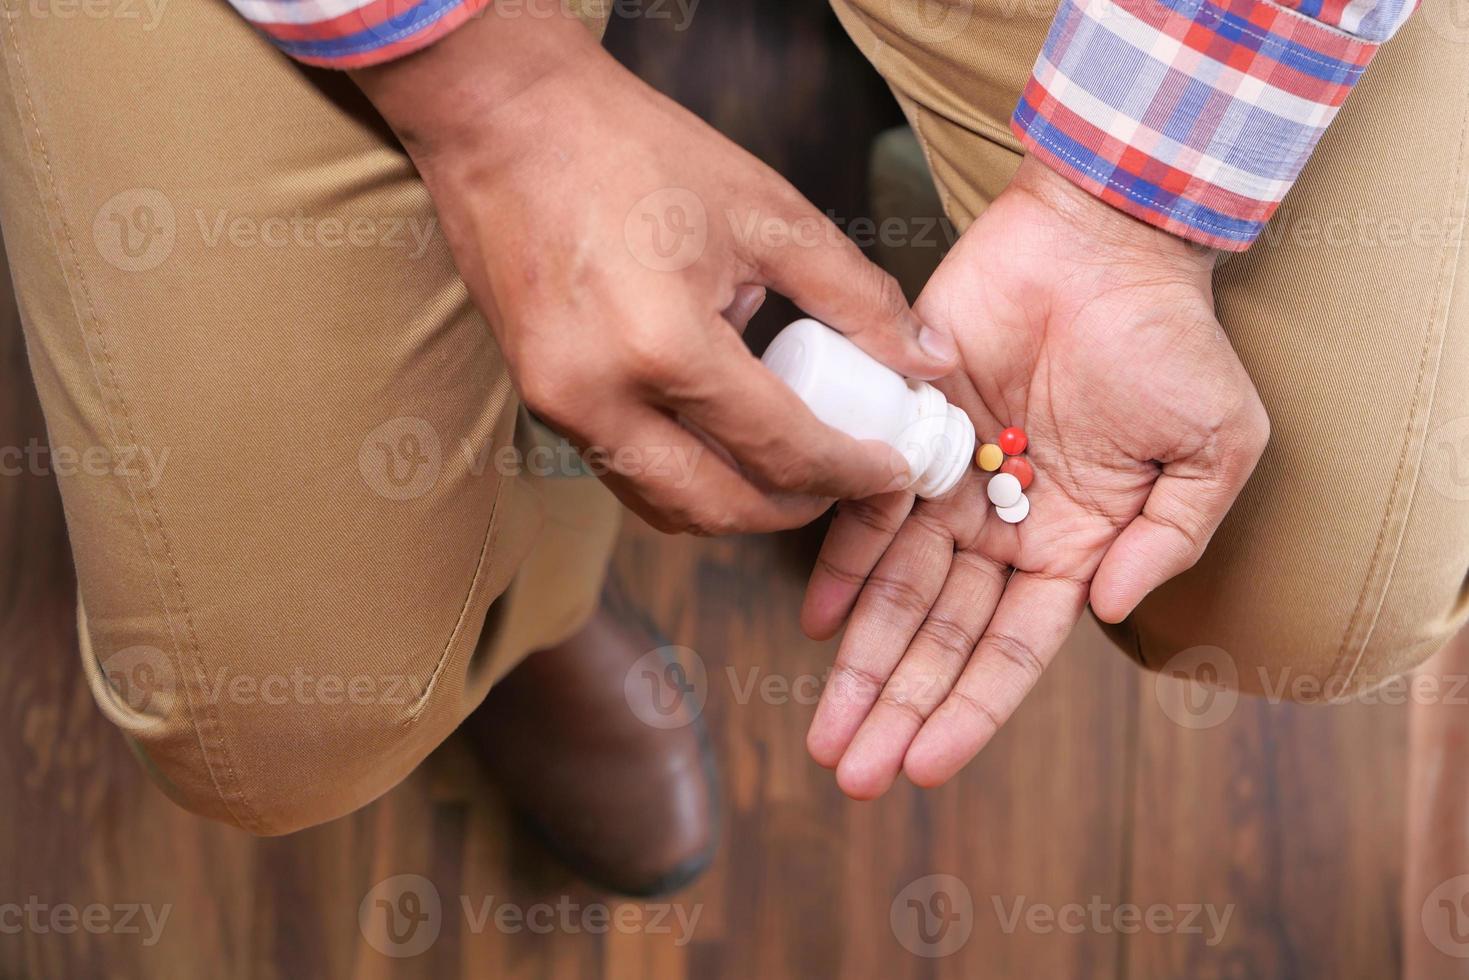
(1192, 115)
(355, 33)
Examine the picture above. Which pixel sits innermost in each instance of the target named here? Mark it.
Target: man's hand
(1096, 334)
(617, 245)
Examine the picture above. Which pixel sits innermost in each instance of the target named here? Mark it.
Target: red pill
(1020, 468)
(1013, 441)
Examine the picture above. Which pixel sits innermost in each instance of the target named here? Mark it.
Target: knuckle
(1191, 528)
(887, 295)
(786, 469)
(1257, 427)
(1198, 531)
(711, 524)
(844, 575)
(896, 700)
(881, 297)
(651, 354)
(897, 594)
(923, 680)
(852, 680)
(667, 523)
(1242, 432)
(993, 573)
(1018, 653)
(935, 523)
(870, 515)
(948, 638)
(547, 393)
(988, 718)
(667, 516)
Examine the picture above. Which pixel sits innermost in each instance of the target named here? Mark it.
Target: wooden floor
(1287, 819)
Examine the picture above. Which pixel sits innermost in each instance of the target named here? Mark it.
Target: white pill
(1004, 490)
(1016, 513)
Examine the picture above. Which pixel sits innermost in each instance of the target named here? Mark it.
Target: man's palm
(1143, 427)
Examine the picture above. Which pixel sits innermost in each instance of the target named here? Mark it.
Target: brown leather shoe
(628, 805)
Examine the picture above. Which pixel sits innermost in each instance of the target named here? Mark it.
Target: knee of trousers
(1284, 616)
(238, 724)
(272, 750)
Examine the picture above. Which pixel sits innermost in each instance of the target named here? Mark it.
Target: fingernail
(939, 346)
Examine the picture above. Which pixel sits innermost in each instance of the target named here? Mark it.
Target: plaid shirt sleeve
(355, 33)
(1196, 115)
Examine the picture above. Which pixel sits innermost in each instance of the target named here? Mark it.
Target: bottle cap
(939, 444)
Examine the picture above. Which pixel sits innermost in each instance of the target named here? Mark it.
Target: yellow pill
(990, 457)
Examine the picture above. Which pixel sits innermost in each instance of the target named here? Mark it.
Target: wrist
(485, 89)
(1099, 226)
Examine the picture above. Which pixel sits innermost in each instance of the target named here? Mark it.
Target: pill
(1020, 468)
(990, 457)
(1013, 441)
(1004, 490)
(1017, 513)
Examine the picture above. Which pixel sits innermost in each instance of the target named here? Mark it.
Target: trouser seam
(1405, 479)
(216, 756)
(492, 533)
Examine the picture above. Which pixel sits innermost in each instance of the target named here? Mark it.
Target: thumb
(824, 273)
(1165, 540)
(1185, 506)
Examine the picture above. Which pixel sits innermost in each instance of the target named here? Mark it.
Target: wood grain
(1091, 795)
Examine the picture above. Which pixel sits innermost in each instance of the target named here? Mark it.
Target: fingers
(1185, 507)
(753, 458)
(1034, 617)
(740, 404)
(925, 676)
(684, 486)
(857, 538)
(823, 272)
(1166, 539)
(747, 302)
(894, 603)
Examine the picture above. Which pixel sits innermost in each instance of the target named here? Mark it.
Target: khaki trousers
(307, 520)
(1344, 561)
(308, 524)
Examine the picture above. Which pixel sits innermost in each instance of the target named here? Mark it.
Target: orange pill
(989, 457)
(1020, 468)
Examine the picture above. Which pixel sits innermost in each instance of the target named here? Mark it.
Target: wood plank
(1290, 814)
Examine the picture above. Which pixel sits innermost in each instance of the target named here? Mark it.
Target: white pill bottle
(848, 389)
